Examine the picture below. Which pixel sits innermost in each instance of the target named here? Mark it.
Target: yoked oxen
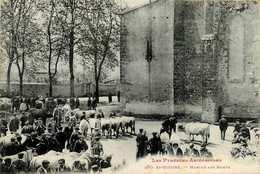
(106, 125)
(197, 128)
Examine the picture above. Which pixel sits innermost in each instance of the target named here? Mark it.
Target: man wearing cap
(19, 165)
(14, 124)
(23, 119)
(223, 125)
(80, 145)
(140, 140)
(95, 134)
(27, 129)
(97, 147)
(174, 150)
(204, 152)
(31, 141)
(42, 146)
(191, 151)
(61, 168)
(44, 169)
(154, 144)
(74, 137)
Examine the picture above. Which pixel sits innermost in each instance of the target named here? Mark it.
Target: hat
(76, 162)
(81, 136)
(27, 122)
(94, 167)
(97, 137)
(45, 162)
(154, 133)
(96, 129)
(39, 118)
(61, 161)
(76, 128)
(141, 130)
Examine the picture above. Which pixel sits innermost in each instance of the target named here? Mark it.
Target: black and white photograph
(129, 86)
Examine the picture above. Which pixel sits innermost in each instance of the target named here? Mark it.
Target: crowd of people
(158, 146)
(42, 137)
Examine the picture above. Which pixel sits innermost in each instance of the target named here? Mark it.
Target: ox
(202, 129)
(129, 123)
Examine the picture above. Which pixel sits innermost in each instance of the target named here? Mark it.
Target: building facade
(204, 59)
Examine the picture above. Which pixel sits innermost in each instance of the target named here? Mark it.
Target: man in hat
(154, 144)
(31, 141)
(89, 103)
(53, 126)
(23, 119)
(97, 147)
(76, 166)
(7, 166)
(80, 145)
(95, 134)
(61, 167)
(191, 151)
(204, 152)
(68, 130)
(140, 140)
(244, 134)
(74, 137)
(174, 150)
(94, 103)
(27, 129)
(39, 128)
(45, 169)
(237, 128)
(14, 124)
(60, 137)
(19, 165)
(21, 146)
(53, 144)
(173, 122)
(223, 125)
(42, 146)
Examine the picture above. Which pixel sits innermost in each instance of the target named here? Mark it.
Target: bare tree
(102, 37)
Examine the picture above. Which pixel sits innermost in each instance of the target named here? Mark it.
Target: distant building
(204, 58)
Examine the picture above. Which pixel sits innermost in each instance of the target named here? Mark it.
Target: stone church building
(198, 58)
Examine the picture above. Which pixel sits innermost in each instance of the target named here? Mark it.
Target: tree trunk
(21, 86)
(50, 87)
(97, 90)
(9, 76)
(71, 51)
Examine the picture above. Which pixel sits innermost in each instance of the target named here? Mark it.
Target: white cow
(202, 129)
(129, 122)
(83, 127)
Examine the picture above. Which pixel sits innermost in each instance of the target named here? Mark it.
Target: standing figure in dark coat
(174, 150)
(173, 122)
(42, 146)
(14, 124)
(23, 119)
(89, 103)
(31, 141)
(223, 125)
(237, 128)
(53, 144)
(77, 102)
(60, 137)
(110, 97)
(80, 145)
(68, 131)
(166, 127)
(118, 96)
(155, 144)
(140, 140)
(94, 103)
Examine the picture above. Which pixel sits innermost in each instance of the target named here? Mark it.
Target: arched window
(236, 50)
